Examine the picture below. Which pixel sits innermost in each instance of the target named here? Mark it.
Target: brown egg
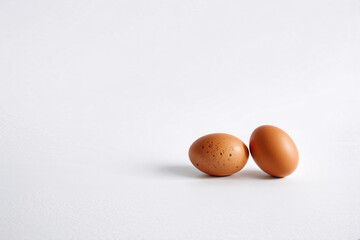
(218, 154)
(274, 151)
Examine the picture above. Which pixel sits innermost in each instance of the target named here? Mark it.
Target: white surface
(100, 100)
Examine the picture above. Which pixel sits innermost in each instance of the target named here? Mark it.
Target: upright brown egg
(218, 154)
(274, 151)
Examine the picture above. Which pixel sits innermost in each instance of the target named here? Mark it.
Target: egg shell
(273, 151)
(218, 154)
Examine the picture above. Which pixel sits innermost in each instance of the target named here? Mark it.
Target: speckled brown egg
(218, 154)
(273, 151)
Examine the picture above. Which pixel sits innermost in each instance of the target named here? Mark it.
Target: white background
(100, 101)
